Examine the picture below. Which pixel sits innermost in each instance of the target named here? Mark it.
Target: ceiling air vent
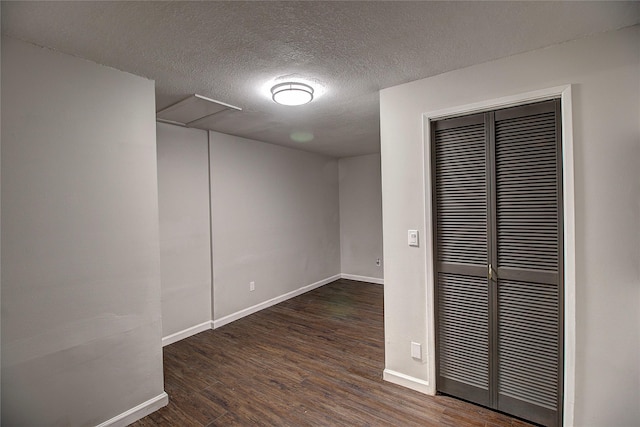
(192, 110)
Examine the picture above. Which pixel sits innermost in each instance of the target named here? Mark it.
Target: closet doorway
(498, 259)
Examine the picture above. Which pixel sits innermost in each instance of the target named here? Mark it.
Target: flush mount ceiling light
(291, 93)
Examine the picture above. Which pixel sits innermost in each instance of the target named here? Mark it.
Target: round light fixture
(292, 93)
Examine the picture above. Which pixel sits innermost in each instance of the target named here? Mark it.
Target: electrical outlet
(416, 350)
(413, 238)
(378, 262)
(252, 286)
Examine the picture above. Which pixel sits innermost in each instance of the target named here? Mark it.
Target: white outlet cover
(416, 350)
(413, 238)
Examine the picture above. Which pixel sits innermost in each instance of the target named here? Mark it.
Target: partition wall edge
(564, 94)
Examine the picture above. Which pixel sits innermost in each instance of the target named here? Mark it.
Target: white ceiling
(234, 51)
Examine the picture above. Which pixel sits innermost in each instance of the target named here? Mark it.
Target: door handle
(491, 273)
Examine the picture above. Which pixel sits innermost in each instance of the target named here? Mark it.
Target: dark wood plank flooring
(314, 360)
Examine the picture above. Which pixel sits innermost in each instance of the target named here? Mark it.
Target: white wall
(361, 217)
(185, 245)
(275, 218)
(275, 221)
(81, 325)
(605, 72)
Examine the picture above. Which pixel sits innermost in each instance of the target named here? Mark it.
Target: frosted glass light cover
(292, 93)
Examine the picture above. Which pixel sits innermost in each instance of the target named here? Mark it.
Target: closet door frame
(564, 94)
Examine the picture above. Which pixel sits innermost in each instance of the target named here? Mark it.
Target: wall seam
(211, 311)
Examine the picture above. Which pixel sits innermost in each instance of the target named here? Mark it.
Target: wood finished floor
(314, 360)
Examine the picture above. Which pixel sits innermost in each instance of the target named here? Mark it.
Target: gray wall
(361, 216)
(605, 72)
(275, 221)
(81, 323)
(185, 255)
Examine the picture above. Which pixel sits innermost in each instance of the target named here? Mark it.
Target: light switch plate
(413, 238)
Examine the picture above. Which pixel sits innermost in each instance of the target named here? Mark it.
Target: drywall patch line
(186, 333)
(273, 301)
(138, 412)
(406, 381)
(362, 278)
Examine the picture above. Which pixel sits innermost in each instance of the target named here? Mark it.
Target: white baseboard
(407, 381)
(273, 301)
(362, 278)
(186, 333)
(140, 411)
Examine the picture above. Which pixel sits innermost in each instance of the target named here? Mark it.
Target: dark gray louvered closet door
(498, 252)
(528, 199)
(461, 217)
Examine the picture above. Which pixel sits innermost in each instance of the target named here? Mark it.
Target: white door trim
(564, 93)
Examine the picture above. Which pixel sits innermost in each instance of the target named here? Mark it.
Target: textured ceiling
(234, 51)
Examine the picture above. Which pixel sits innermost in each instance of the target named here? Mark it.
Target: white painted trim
(564, 92)
(406, 381)
(273, 301)
(568, 189)
(138, 412)
(209, 324)
(430, 337)
(504, 102)
(362, 278)
(186, 333)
